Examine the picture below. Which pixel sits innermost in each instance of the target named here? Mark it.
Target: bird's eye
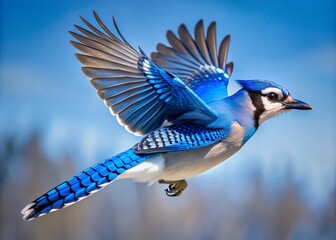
(272, 97)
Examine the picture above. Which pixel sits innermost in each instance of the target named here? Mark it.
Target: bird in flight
(177, 99)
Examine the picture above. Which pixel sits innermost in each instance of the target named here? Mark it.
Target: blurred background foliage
(281, 185)
(129, 210)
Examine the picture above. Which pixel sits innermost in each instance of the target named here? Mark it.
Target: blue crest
(259, 85)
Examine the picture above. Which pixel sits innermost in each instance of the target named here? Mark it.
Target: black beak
(297, 104)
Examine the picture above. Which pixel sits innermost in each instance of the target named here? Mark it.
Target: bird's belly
(186, 164)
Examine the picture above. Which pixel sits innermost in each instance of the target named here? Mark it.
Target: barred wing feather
(179, 138)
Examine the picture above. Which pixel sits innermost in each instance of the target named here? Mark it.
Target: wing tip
(212, 26)
(88, 71)
(169, 33)
(95, 14)
(200, 22)
(182, 28)
(229, 68)
(119, 32)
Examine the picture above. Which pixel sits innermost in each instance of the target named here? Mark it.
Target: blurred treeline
(127, 210)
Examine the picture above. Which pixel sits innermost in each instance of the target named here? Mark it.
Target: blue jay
(177, 99)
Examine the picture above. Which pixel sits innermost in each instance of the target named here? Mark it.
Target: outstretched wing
(196, 61)
(138, 92)
(179, 138)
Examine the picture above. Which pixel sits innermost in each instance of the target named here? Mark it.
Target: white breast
(185, 164)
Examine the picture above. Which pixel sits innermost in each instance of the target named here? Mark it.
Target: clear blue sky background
(291, 42)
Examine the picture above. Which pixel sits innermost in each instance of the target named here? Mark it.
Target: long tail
(82, 185)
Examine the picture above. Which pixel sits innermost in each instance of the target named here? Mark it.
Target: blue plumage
(259, 85)
(217, 82)
(177, 98)
(83, 184)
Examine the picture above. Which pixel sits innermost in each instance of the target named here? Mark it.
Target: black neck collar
(259, 106)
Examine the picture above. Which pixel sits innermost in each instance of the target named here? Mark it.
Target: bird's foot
(175, 188)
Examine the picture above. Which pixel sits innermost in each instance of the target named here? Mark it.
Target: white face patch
(271, 108)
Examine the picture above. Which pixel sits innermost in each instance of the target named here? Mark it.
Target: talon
(172, 188)
(175, 188)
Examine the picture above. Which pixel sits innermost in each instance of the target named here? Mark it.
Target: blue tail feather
(83, 184)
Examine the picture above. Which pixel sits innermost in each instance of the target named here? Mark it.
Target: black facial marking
(257, 103)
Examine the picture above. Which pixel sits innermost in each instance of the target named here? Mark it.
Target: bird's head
(270, 99)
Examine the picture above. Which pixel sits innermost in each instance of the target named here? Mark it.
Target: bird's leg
(175, 188)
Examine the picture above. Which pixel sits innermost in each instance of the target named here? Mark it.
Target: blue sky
(291, 42)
